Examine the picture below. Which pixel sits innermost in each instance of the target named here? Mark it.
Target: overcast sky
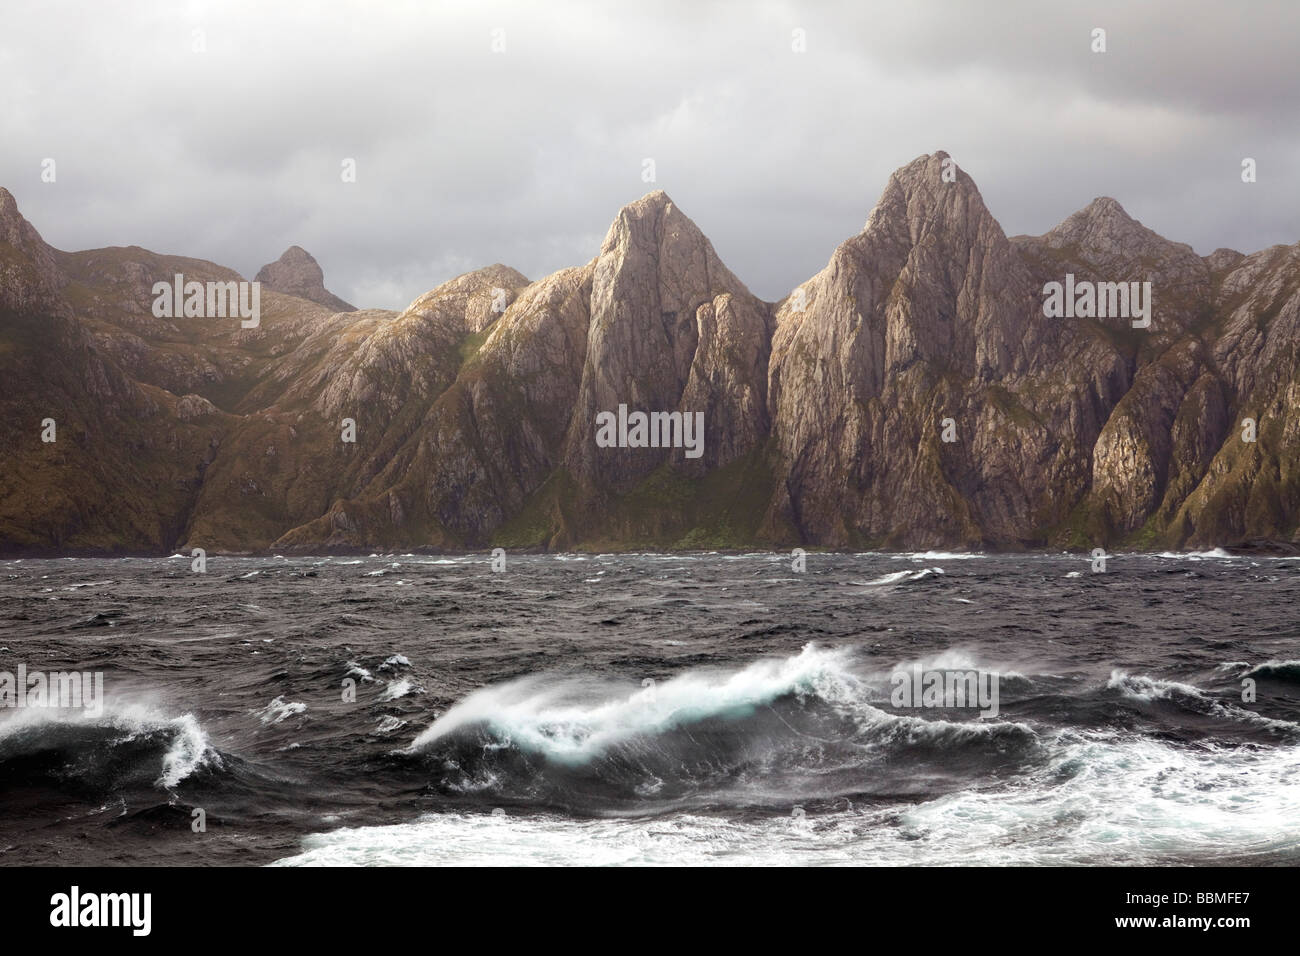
(466, 156)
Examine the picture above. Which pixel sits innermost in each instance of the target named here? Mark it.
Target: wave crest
(129, 744)
(803, 727)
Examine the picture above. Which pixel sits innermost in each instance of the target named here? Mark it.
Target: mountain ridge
(828, 413)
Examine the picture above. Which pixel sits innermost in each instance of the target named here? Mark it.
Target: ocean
(653, 709)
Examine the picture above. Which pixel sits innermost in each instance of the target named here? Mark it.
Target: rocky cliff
(914, 393)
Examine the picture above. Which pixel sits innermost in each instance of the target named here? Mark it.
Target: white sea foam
(280, 709)
(356, 670)
(396, 689)
(572, 719)
(1097, 799)
(1196, 555)
(899, 577)
(1143, 688)
(189, 749)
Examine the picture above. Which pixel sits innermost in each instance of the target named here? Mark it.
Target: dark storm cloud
(467, 157)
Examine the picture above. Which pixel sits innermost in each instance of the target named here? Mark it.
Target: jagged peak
(13, 227)
(653, 206)
(1107, 210)
(1105, 205)
(1103, 216)
(929, 189)
(293, 256)
(1105, 225)
(296, 254)
(1105, 236)
(653, 234)
(24, 286)
(655, 199)
(298, 273)
(11, 220)
(928, 169)
(654, 209)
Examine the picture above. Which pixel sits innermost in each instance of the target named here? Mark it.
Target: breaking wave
(126, 745)
(802, 727)
(1288, 671)
(1094, 797)
(901, 577)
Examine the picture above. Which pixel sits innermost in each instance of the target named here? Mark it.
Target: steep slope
(507, 452)
(672, 330)
(929, 323)
(471, 457)
(127, 458)
(288, 463)
(1251, 490)
(1134, 462)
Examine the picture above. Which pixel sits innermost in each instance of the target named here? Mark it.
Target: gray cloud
(467, 157)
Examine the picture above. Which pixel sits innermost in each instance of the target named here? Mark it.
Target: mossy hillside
(667, 510)
(124, 470)
(545, 520)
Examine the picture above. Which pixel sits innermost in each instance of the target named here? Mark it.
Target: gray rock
(297, 273)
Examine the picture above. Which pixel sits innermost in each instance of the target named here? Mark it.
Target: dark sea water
(654, 709)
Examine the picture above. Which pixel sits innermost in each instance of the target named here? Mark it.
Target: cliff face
(671, 329)
(911, 394)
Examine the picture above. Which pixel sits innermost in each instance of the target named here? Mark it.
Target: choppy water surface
(654, 709)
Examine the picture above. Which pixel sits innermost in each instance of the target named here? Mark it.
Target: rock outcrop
(297, 273)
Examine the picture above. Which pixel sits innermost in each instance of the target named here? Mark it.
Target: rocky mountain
(917, 392)
(296, 272)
